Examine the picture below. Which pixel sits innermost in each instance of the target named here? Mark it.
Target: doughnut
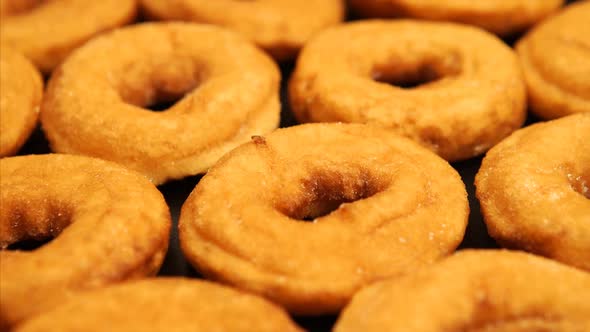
(96, 102)
(455, 89)
(281, 27)
(46, 31)
(555, 57)
(190, 305)
(502, 17)
(476, 290)
(21, 89)
(106, 224)
(307, 215)
(534, 190)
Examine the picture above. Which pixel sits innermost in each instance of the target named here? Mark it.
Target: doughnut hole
(417, 72)
(324, 191)
(26, 229)
(161, 85)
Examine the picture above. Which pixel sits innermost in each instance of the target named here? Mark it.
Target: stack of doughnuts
(411, 143)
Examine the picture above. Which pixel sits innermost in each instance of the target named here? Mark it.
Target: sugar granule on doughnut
(47, 31)
(502, 17)
(476, 290)
(21, 90)
(96, 102)
(164, 304)
(455, 89)
(107, 224)
(534, 190)
(307, 215)
(281, 27)
(555, 57)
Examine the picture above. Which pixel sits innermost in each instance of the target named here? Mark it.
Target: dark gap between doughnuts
(325, 191)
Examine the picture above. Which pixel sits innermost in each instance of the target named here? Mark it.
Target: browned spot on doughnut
(580, 184)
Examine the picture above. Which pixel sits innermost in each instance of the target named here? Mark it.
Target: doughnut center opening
(31, 229)
(325, 191)
(158, 87)
(580, 184)
(416, 74)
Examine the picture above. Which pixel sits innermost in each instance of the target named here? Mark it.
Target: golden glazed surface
(95, 102)
(109, 224)
(473, 93)
(164, 304)
(309, 214)
(47, 31)
(534, 190)
(476, 291)
(556, 61)
(502, 17)
(21, 90)
(281, 27)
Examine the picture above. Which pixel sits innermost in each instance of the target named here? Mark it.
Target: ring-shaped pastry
(95, 104)
(107, 224)
(309, 214)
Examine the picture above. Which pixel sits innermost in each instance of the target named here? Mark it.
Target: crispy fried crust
(502, 17)
(47, 31)
(190, 305)
(473, 96)
(94, 102)
(281, 27)
(555, 57)
(476, 291)
(307, 215)
(534, 190)
(21, 90)
(109, 224)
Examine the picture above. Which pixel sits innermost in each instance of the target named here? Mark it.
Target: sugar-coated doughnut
(46, 31)
(470, 91)
(555, 57)
(502, 17)
(164, 304)
(476, 290)
(309, 214)
(21, 90)
(108, 224)
(281, 27)
(94, 103)
(534, 190)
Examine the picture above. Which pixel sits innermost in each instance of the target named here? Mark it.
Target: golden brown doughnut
(472, 94)
(281, 27)
(21, 89)
(555, 57)
(46, 31)
(164, 304)
(378, 205)
(109, 224)
(502, 17)
(534, 190)
(94, 102)
(477, 291)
